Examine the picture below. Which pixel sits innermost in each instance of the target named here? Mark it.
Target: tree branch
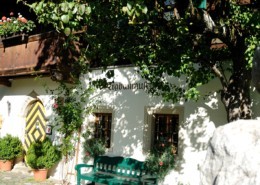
(220, 76)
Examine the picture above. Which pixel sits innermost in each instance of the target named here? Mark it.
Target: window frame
(103, 132)
(149, 113)
(165, 127)
(105, 110)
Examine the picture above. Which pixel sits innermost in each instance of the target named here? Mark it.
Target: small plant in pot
(41, 156)
(10, 148)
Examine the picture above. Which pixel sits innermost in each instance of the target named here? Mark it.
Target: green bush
(10, 147)
(160, 162)
(42, 154)
(92, 146)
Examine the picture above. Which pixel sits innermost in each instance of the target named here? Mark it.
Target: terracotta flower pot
(6, 165)
(40, 174)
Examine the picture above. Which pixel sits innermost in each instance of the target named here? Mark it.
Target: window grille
(103, 127)
(165, 130)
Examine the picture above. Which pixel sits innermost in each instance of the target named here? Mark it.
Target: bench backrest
(127, 167)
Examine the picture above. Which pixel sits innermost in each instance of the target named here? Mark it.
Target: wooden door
(35, 123)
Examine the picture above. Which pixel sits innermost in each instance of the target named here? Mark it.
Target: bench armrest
(79, 166)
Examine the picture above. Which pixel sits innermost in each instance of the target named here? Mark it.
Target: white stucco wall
(129, 114)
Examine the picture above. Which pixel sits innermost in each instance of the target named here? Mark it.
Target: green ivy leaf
(65, 19)
(64, 6)
(67, 31)
(75, 10)
(82, 8)
(55, 17)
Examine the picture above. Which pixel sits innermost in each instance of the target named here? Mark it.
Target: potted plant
(41, 156)
(10, 148)
(13, 27)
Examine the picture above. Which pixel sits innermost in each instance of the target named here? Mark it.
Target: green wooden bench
(114, 170)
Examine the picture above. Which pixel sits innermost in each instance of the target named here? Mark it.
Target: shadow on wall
(196, 131)
(128, 117)
(128, 105)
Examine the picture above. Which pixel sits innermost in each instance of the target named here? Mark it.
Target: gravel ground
(16, 178)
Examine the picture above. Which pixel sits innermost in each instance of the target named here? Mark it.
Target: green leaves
(10, 147)
(174, 56)
(81, 9)
(42, 154)
(160, 161)
(66, 16)
(135, 11)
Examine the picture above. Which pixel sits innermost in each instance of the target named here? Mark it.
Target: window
(162, 126)
(165, 128)
(102, 128)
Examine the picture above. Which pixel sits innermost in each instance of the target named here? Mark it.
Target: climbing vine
(71, 105)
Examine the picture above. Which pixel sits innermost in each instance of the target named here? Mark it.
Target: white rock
(233, 156)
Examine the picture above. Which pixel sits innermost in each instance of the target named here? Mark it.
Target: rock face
(233, 156)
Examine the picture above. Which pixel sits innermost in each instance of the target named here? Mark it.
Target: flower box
(14, 39)
(15, 26)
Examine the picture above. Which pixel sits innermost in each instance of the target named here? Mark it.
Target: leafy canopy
(164, 48)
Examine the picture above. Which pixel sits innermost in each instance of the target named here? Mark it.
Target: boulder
(233, 156)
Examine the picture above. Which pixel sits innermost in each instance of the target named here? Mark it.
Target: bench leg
(78, 181)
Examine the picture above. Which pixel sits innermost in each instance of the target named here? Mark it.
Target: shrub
(92, 146)
(42, 154)
(10, 147)
(160, 162)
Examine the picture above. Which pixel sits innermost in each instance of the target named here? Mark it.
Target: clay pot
(6, 165)
(40, 174)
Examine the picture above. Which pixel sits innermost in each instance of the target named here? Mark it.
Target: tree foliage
(166, 41)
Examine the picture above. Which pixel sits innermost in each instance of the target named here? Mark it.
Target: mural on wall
(35, 123)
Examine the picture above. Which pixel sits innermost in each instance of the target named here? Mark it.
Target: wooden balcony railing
(25, 56)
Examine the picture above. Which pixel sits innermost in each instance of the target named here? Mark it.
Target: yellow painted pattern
(35, 124)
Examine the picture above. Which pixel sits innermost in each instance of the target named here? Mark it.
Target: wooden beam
(5, 82)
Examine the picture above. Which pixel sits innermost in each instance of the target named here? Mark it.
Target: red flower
(55, 105)
(22, 19)
(11, 13)
(4, 18)
(160, 163)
